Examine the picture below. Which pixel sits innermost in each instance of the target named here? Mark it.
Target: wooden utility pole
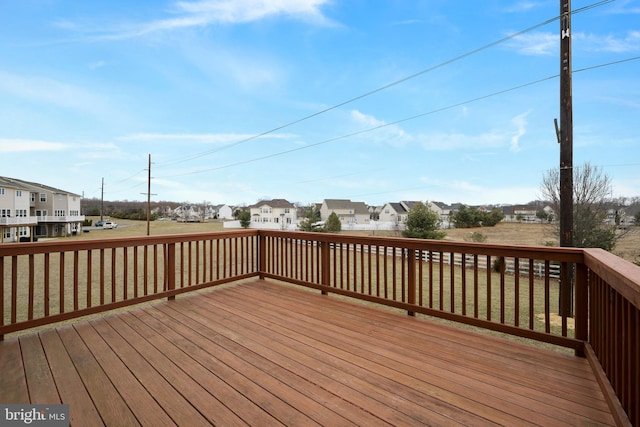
(566, 127)
(149, 194)
(566, 156)
(102, 200)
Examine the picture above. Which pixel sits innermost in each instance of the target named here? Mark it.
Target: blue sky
(223, 95)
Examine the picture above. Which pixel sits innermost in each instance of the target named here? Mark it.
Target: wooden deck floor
(263, 354)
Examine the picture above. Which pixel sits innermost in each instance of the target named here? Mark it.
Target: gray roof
(275, 203)
(31, 186)
(359, 208)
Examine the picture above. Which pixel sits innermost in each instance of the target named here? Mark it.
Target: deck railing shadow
(516, 290)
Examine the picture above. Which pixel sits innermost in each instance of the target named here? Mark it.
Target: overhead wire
(396, 122)
(387, 86)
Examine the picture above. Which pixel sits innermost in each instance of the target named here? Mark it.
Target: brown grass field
(628, 247)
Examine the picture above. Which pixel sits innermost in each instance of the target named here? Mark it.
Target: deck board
(260, 353)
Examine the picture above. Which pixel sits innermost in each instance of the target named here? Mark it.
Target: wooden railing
(614, 328)
(47, 282)
(510, 289)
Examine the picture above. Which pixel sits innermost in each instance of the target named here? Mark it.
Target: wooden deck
(260, 353)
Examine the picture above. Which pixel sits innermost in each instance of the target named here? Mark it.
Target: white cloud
(97, 64)
(609, 43)
(393, 135)
(24, 145)
(239, 11)
(539, 43)
(522, 6)
(455, 140)
(203, 13)
(520, 122)
(535, 43)
(47, 90)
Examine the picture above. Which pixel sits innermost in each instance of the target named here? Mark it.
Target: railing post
(324, 262)
(582, 306)
(411, 278)
(171, 269)
(262, 256)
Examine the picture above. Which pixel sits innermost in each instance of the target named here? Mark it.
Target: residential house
(622, 215)
(30, 209)
(349, 213)
(276, 213)
(188, 213)
(442, 209)
(395, 213)
(224, 211)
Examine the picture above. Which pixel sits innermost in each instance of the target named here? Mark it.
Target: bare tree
(591, 199)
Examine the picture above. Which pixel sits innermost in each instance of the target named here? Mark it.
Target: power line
(360, 132)
(389, 85)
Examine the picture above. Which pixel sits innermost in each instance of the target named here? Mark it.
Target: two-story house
(39, 210)
(348, 212)
(15, 219)
(395, 213)
(276, 213)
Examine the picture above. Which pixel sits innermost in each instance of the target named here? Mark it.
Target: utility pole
(149, 194)
(102, 199)
(566, 127)
(566, 155)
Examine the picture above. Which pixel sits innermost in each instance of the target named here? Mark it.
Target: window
(7, 233)
(18, 193)
(33, 197)
(1, 191)
(286, 210)
(41, 213)
(59, 212)
(74, 213)
(43, 197)
(5, 213)
(23, 231)
(21, 213)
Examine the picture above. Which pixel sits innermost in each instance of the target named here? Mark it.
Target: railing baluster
(516, 291)
(47, 279)
(489, 298)
(31, 287)
(452, 281)
(75, 280)
(113, 274)
(125, 273)
(89, 278)
(531, 294)
(547, 310)
(61, 283)
(463, 268)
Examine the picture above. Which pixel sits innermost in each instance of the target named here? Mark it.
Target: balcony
(60, 219)
(17, 221)
(303, 328)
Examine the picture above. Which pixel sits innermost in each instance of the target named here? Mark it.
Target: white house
(349, 213)
(30, 209)
(276, 213)
(395, 213)
(224, 211)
